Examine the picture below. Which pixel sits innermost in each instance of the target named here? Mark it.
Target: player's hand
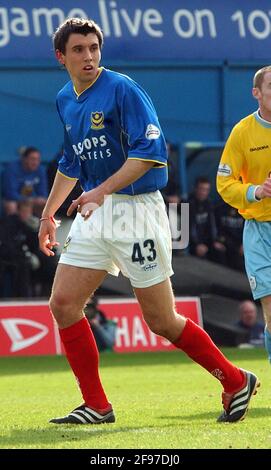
(87, 202)
(264, 190)
(47, 236)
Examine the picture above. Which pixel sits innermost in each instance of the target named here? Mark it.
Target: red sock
(197, 344)
(83, 356)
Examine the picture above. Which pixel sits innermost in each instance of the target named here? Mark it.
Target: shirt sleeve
(69, 164)
(140, 123)
(229, 184)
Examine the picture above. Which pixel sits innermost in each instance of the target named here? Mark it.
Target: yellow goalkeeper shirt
(245, 164)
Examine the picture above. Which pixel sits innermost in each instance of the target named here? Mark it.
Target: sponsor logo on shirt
(152, 132)
(97, 120)
(224, 170)
(255, 149)
(93, 148)
(68, 127)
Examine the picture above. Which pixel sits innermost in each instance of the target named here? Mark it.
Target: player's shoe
(85, 415)
(236, 404)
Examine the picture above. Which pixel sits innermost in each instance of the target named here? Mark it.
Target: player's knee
(268, 322)
(169, 326)
(59, 305)
(266, 304)
(157, 325)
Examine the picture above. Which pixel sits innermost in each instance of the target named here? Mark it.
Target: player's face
(263, 95)
(81, 59)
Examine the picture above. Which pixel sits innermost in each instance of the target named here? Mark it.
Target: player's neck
(80, 87)
(265, 114)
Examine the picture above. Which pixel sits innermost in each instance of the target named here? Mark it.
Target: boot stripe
(239, 408)
(95, 413)
(244, 390)
(77, 416)
(86, 416)
(239, 400)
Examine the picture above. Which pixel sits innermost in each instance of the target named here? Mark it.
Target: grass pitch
(161, 400)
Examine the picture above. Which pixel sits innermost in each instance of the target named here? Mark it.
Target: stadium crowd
(215, 229)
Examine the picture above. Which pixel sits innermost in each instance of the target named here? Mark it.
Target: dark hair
(26, 152)
(77, 26)
(202, 180)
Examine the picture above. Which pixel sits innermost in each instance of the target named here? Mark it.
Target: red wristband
(51, 218)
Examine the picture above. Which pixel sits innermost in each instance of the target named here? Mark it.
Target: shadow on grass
(254, 413)
(69, 435)
(66, 435)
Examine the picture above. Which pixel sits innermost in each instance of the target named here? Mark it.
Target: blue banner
(140, 30)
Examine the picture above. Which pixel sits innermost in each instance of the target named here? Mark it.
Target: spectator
(25, 179)
(171, 193)
(230, 234)
(203, 231)
(23, 265)
(104, 330)
(248, 321)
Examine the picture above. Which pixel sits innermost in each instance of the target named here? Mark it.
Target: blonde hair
(259, 76)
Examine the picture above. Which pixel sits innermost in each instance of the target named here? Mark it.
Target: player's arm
(230, 187)
(65, 180)
(62, 187)
(131, 171)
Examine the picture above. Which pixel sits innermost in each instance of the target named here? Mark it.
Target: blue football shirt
(111, 121)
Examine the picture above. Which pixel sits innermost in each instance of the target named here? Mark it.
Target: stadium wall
(195, 101)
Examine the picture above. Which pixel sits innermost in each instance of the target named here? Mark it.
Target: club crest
(97, 120)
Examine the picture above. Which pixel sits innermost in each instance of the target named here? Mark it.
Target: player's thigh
(143, 249)
(158, 305)
(73, 285)
(257, 246)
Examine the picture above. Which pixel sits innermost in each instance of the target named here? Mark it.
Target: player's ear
(60, 57)
(256, 92)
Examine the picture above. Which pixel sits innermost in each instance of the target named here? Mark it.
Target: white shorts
(130, 234)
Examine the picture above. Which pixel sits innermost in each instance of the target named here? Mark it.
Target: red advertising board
(132, 332)
(27, 328)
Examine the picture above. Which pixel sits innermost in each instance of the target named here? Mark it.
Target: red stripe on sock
(83, 356)
(197, 344)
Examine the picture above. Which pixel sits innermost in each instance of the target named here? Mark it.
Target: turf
(161, 400)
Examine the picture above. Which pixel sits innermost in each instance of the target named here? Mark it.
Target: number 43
(137, 256)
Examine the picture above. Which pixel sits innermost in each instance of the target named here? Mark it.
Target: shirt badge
(97, 120)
